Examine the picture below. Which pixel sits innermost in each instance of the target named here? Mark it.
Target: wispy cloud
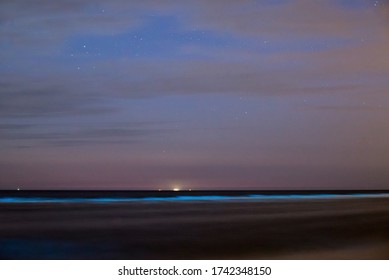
(289, 79)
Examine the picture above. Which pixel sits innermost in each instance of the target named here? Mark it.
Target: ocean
(194, 225)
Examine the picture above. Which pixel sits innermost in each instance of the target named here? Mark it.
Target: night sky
(215, 94)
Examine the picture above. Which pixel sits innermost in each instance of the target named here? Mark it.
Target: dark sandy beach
(318, 228)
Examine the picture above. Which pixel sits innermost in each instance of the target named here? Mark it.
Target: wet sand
(317, 228)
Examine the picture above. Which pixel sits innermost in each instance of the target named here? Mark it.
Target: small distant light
(159, 190)
(176, 189)
(18, 189)
(190, 190)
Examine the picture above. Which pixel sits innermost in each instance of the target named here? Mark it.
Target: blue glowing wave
(252, 197)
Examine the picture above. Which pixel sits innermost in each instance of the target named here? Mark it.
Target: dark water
(194, 225)
(123, 196)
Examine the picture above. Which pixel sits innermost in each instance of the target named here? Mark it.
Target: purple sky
(220, 94)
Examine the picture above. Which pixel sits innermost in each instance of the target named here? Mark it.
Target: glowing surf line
(252, 197)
